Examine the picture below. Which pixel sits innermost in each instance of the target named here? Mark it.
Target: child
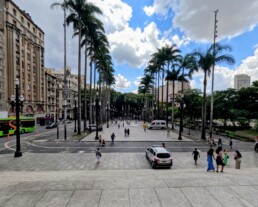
(195, 154)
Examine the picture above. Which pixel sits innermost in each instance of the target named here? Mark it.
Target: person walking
(128, 132)
(237, 157)
(225, 159)
(98, 155)
(219, 159)
(103, 143)
(230, 143)
(125, 132)
(219, 142)
(145, 126)
(113, 137)
(168, 132)
(100, 140)
(196, 155)
(210, 157)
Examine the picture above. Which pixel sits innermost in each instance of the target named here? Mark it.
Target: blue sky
(135, 30)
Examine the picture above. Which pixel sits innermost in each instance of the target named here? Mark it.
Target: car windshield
(163, 155)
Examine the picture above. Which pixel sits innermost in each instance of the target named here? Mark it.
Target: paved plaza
(125, 179)
(137, 133)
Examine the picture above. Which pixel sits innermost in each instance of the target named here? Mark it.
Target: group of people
(127, 132)
(221, 157)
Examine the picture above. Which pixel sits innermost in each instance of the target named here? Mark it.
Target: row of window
(22, 21)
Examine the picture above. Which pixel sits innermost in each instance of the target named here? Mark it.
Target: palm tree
(79, 11)
(144, 87)
(173, 76)
(205, 60)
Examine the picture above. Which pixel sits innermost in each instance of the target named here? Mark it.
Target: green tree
(205, 60)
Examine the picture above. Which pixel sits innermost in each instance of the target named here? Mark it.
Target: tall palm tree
(144, 87)
(205, 60)
(79, 10)
(173, 76)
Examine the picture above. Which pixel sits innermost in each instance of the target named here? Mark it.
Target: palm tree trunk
(162, 95)
(94, 95)
(85, 88)
(79, 83)
(167, 99)
(203, 135)
(158, 95)
(91, 89)
(173, 104)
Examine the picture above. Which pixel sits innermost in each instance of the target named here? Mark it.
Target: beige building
(22, 57)
(241, 81)
(178, 89)
(50, 93)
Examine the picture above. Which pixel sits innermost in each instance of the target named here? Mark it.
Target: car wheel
(153, 165)
(150, 128)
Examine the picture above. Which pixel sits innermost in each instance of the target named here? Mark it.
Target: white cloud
(196, 18)
(224, 77)
(137, 81)
(122, 82)
(116, 14)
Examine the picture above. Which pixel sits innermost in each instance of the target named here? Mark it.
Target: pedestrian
(145, 126)
(237, 157)
(98, 155)
(225, 160)
(230, 143)
(123, 124)
(196, 155)
(219, 159)
(219, 142)
(168, 132)
(163, 145)
(210, 158)
(256, 147)
(125, 132)
(100, 139)
(118, 126)
(128, 132)
(113, 137)
(103, 143)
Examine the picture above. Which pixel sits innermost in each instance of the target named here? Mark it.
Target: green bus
(8, 125)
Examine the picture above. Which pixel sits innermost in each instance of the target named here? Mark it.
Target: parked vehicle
(158, 156)
(157, 124)
(93, 127)
(51, 126)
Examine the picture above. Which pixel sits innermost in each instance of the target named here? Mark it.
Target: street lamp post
(75, 115)
(18, 101)
(182, 105)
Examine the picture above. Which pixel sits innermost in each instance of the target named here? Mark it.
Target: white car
(158, 156)
(157, 124)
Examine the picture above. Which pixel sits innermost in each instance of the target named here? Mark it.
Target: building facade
(22, 57)
(178, 89)
(50, 93)
(241, 81)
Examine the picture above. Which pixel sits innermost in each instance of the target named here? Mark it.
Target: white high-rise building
(241, 81)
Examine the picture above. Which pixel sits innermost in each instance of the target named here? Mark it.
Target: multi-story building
(241, 81)
(22, 58)
(50, 93)
(178, 89)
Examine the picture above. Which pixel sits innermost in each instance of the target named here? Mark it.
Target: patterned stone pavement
(109, 161)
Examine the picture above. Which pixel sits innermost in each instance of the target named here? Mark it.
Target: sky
(137, 28)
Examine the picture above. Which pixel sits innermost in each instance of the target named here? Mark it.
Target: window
(14, 22)
(1, 51)
(1, 84)
(22, 19)
(28, 25)
(14, 12)
(1, 38)
(1, 74)
(28, 56)
(40, 35)
(34, 30)
(1, 61)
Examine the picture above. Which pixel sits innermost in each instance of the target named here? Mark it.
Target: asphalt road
(45, 141)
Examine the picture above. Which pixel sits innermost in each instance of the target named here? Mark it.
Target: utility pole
(212, 73)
